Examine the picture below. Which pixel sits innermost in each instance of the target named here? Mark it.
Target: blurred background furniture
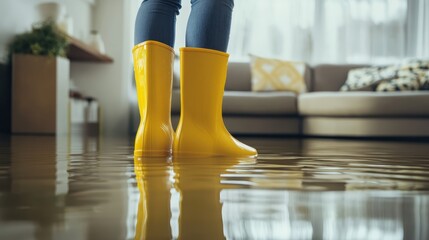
(247, 112)
(327, 112)
(40, 86)
(323, 111)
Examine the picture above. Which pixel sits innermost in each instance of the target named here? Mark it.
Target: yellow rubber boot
(153, 67)
(201, 130)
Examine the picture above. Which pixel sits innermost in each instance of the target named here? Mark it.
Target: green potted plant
(40, 80)
(44, 40)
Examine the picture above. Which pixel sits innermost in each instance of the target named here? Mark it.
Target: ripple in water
(90, 188)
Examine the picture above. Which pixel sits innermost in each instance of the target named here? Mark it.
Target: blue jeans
(208, 25)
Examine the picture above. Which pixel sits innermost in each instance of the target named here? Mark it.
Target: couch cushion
(368, 104)
(271, 74)
(237, 79)
(365, 127)
(330, 77)
(251, 103)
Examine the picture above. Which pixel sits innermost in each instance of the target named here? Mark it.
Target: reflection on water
(196, 184)
(86, 188)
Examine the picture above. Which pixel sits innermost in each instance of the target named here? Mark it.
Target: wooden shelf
(81, 52)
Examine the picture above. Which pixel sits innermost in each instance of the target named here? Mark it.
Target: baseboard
(366, 127)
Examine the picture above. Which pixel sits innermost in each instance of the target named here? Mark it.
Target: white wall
(110, 83)
(17, 16)
(12, 22)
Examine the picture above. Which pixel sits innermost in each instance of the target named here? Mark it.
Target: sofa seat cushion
(251, 103)
(368, 104)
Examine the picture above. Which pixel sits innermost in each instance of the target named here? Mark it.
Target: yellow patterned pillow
(277, 75)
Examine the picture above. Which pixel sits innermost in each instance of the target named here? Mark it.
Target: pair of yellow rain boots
(201, 130)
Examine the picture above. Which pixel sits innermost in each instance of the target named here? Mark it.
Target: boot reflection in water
(198, 182)
(154, 213)
(204, 61)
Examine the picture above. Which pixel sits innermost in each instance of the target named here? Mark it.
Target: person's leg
(204, 63)
(209, 24)
(156, 20)
(153, 67)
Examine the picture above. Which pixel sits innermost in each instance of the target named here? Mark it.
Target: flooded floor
(89, 188)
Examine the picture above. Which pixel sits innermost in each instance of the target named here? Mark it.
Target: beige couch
(323, 111)
(247, 112)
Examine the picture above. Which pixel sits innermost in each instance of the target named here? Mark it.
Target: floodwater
(90, 188)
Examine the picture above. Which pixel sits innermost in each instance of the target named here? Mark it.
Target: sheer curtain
(272, 28)
(321, 31)
(418, 28)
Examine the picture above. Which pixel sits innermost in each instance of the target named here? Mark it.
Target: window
(334, 31)
(324, 31)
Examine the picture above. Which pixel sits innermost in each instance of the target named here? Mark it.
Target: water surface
(90, 188)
